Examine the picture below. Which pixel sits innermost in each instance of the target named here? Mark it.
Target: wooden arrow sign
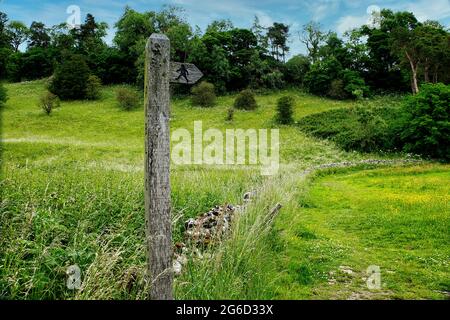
(185, 73)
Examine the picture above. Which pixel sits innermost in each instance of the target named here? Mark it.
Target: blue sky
(336, 15)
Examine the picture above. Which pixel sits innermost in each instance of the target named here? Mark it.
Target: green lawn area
(396, 218)
(72, 193)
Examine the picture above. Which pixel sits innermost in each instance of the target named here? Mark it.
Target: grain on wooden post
(157, 167)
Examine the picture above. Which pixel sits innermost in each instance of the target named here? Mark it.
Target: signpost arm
(157, 167)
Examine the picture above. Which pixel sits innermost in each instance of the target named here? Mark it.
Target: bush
(3, 95)
(285, 110)
(354, 85)
(127, 98)
(230, 114)
(204, 94)
(245, 100)
(70, 78)
(48, 102)
(93, 86)
(336, 90)
(425, 127)
(362, 128)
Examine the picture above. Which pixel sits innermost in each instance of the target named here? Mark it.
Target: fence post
(157, 167)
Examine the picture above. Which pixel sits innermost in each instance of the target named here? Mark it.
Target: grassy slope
(396, 218)
(73, 187)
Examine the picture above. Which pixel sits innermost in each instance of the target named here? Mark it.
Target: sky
(335, 15)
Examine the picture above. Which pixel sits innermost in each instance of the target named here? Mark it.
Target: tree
(223, 25)
(433, 47)
(89, 36)
(259, 32)
(312, 36)
(278, 35)
(296, 69)
(405, 44)
(70, 79)
(38, 36)
(134, 28)
(384, 68)
(426, 126)
(18, 33)
(4, 35)
(180, 40)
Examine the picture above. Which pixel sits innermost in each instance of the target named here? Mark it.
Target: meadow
(72, 193)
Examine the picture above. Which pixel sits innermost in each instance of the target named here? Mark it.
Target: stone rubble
(207, 229)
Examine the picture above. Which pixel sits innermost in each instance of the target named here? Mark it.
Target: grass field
(72, 193)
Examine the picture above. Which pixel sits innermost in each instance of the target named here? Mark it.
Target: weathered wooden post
(159, 72)
(157, 167)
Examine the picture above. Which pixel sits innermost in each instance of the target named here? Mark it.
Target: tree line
(396, 54)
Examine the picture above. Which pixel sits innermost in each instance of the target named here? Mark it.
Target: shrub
(3, 95)
(230, 114)
(48, 102)
(362, 128)
(354, 86)
(245, 100)
(336, 90)
(127, 98)
(204, 94)
(425, 127)
(70, 78)
(285, 110)
(93, 86)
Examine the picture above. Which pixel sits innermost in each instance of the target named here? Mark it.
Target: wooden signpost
(159, 72)
(186, 73)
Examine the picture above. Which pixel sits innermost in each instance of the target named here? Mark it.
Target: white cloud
(430, 10)
(322, 9)
(350, 22)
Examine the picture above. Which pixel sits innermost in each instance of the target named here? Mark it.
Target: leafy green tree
(312, 37)
(38, 36)
(433, 46)
(318, 79)
(426, 127)
(180, 41)
(296, 68)
(405, 46)
(37, 63)
(70, 78)
(89, 36)
(4, 35)
(259, 32)
(385, 69)
(134, 28)
(14, 66)
(18, 33)
(278, 35)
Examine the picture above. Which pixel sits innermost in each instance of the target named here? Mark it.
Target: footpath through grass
(349, 219)
(72, 193)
